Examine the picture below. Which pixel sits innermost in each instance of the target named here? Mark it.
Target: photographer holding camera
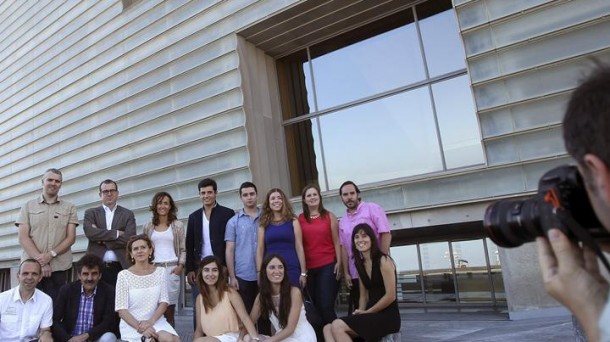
(570, 272)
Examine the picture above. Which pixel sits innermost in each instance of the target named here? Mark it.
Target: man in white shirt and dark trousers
(205, 232)
(26, 313)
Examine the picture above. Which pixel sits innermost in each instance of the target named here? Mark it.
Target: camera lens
(511, 223)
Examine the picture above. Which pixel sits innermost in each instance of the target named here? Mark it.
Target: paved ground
(469, 326)
(430, 325)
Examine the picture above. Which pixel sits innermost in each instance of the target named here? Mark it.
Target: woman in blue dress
(279, 232)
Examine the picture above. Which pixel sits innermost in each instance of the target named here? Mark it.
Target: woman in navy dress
(279, 232)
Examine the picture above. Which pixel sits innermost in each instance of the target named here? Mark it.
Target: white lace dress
(141, 295)
(303, 332)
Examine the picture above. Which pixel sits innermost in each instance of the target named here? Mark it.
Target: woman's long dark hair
(321, 210)
(171, 214)
(265, 292)
(221, 283)
(266, 212)
(376, 253)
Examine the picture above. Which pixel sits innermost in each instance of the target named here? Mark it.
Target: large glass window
(449, 273)
(458, 125)
(387, 100)
(371, 66)
(352, 140)
(409, 286)
(473, 278)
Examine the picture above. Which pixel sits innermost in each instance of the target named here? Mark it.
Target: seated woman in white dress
(141, 296)
(282, 303)
(219, 308)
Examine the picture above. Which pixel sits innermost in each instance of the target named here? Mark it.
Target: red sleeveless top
(317, 241)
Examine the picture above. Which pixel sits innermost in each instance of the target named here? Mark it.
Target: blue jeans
(323, 287)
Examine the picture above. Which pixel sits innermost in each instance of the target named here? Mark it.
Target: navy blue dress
(279, 239)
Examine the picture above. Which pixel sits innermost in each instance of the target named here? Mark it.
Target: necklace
(314, 216)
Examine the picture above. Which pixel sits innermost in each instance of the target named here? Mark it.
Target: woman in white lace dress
(141, 296)
(282, 303)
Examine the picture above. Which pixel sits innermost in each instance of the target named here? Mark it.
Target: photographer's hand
(571, 276)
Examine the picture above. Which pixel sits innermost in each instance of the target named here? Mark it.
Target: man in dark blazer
(205, 231)
(86, 297)
(108, 228)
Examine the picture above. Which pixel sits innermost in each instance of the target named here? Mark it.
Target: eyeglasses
(109, 192)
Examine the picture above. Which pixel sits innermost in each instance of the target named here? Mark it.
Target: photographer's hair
(321, 210)
(265, 294)
(144, 238)
(586, 125)
(90, 261)
(221, 283)
(245, 185)
(171, 214)
(108, 181)
(207, 182)
(267, 214)
(376, 253)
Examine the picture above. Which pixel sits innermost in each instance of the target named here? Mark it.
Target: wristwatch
(53, 253)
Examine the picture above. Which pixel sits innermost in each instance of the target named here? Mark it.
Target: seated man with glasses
(108, 228)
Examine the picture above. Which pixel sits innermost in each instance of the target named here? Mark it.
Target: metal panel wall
(524, 57)
(148, 96)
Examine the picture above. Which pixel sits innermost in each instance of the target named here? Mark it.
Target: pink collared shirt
(369, 213)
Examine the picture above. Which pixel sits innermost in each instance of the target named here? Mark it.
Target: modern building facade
(436, 108)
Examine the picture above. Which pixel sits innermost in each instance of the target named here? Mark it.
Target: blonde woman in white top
(141, 296)
(167, 234)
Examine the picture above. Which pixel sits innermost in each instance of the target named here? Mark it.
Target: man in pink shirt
(359, 212)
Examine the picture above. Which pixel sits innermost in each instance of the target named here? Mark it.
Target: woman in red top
(322, 252)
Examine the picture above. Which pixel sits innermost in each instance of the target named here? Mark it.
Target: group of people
(247, 269)
(273, 257)
(128, 284)
(120, 291)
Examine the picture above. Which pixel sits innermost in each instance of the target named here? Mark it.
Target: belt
(165, 264)
(112, 263)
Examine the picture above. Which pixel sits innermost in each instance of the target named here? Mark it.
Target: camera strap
(581, 234)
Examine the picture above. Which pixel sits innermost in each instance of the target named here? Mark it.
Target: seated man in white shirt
(26, 313)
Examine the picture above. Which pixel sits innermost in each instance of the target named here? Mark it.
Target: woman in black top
(377, 314)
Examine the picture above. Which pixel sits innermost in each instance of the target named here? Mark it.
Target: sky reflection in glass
(457, 122)
(449, 55)
(372, 66)
(385, 139)
(400, 135)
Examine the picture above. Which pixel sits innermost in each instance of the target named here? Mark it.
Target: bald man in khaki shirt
(47, 231)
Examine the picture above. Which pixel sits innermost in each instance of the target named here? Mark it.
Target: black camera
(511, 223)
